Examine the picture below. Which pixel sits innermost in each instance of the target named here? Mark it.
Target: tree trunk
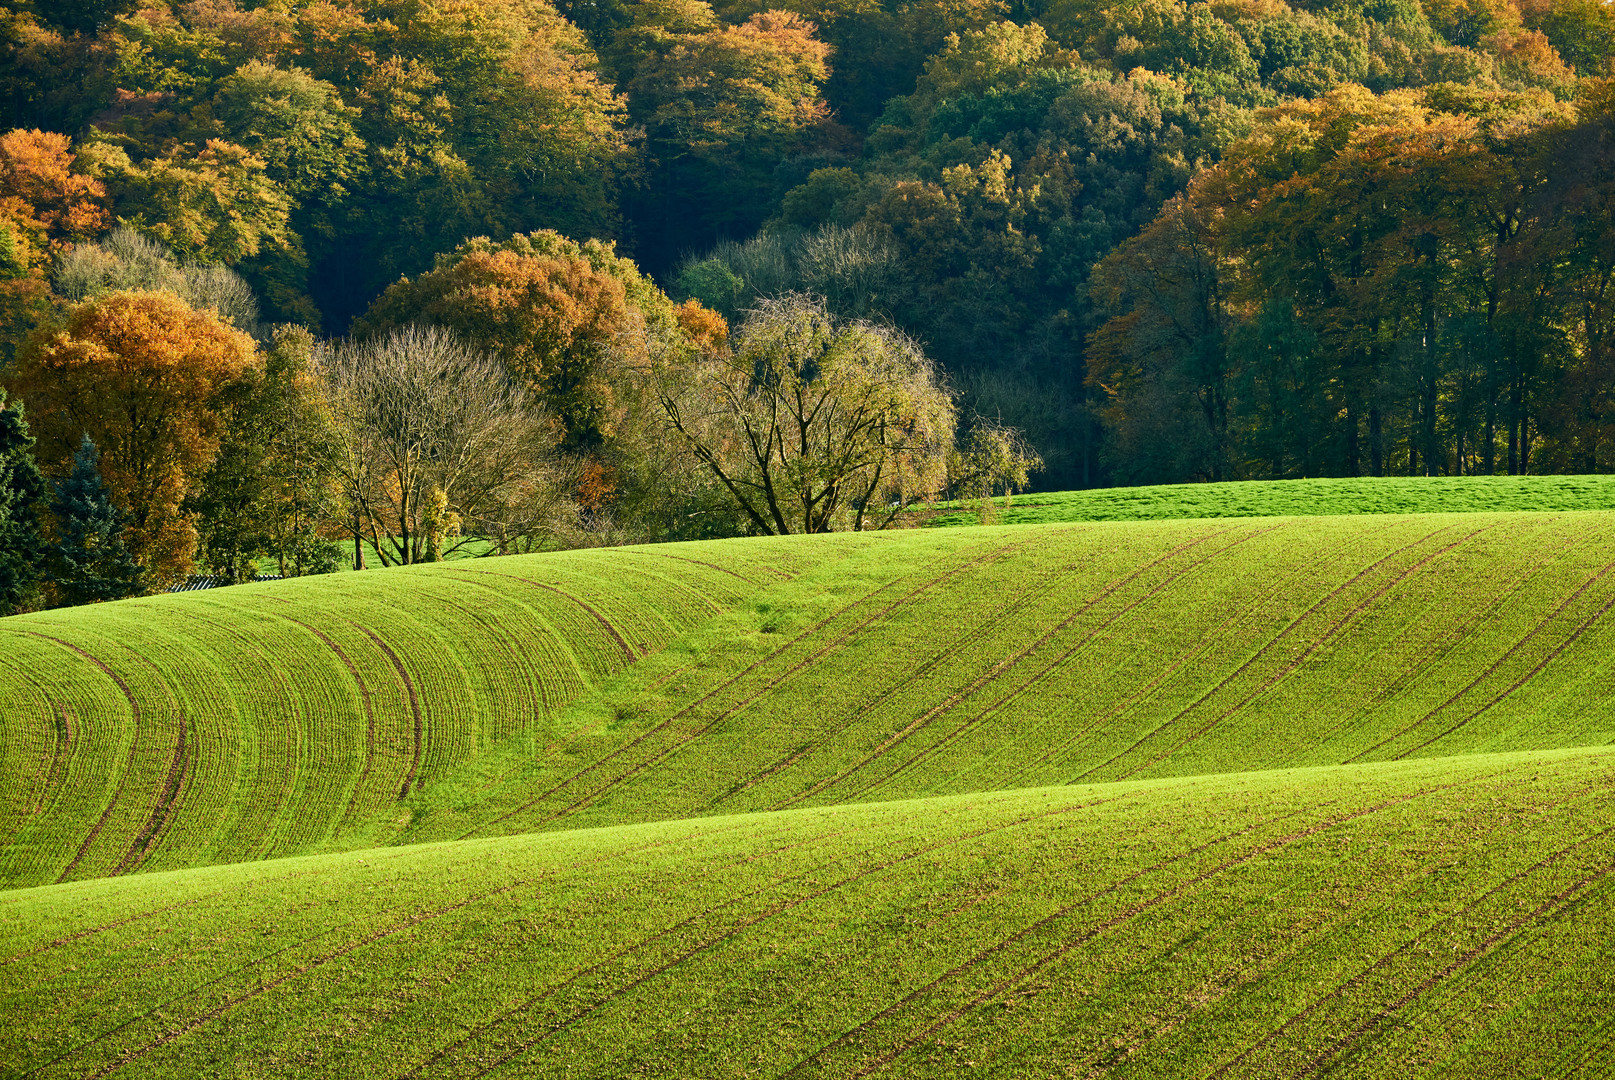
(1376, 442)
(1352, 466)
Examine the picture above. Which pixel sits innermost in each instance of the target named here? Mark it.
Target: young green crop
(1438, 918)
(601, 688)
(1025, 656)
(271, 719)
(1269, 498)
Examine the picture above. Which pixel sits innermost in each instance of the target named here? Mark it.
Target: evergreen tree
(22, 490)
(90, 562)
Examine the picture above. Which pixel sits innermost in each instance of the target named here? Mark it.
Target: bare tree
(811, 423)
(441, 444)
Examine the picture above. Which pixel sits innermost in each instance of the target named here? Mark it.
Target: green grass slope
(1273, 498)
(267, 720)
(948, 661)
(606, 688)
(1436, 918)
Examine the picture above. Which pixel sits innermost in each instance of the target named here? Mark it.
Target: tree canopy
(1160, 240)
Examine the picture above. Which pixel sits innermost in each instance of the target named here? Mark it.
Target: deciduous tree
(142, 374)
(810, 423)
(440, 444)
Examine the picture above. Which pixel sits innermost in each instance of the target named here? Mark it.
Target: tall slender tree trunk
(1376, 442)
(1352, 466)
(1515, 430)
(1413, 438)
(1488, 446)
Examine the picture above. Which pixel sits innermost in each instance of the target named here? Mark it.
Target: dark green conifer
(22, 493)
(90, 562)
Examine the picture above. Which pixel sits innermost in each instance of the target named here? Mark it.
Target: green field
(1284, 498)
(272, 719)
(1281, 796)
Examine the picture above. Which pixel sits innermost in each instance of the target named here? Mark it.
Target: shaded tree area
(406, 277)
(1373, 285)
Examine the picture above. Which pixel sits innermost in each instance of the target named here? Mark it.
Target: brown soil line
(414, 705)
(134, 742)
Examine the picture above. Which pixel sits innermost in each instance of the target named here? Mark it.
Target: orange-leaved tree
(44, 207)
(42, 201)
(548, 307)
(142, 374)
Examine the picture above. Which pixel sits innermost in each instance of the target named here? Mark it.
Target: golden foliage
(142, 374)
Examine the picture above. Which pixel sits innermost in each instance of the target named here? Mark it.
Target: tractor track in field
(562, 644)
(1194, 650)
(787, 905)
(129, 763)
(640, 945)
(947, 706)
(661, 726)
(239, 968)
(782, 575)
(414, 704)
(1126, 915)
(788, 673)
(251, 646)
(1272, 642)
(1411, 943)
(103, 928)
(1311, 649)
(1521, 681)
(61, 744)
(1117, 1053)
(1487, 946)
(972, 635)
(1438, 650)
(628, 650)
(532, 689)
(1108, 590)
(161, 813)
(263, 987)
(129, 1057)
(1540, 625)
(1000, 946)
(369, 713)
(714, 692)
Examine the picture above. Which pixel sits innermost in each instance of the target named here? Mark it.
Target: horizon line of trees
(1085, 241)
(526, 395)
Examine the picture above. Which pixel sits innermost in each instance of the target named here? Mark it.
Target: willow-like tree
(811, 423)
(441, 445)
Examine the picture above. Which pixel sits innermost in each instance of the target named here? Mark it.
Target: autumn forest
(1002, 243)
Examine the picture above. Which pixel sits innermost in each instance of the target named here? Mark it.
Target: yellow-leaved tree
(143, 375)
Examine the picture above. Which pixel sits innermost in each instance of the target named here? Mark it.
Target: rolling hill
(1279, 498)
(1281, 796)
(1438, 918)
(263, 720)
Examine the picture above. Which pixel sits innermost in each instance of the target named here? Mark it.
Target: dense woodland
(396, 274)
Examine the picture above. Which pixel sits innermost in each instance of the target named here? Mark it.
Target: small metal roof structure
(213, 581)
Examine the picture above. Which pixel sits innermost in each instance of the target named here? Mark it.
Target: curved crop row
(1436, 916)
(1026, 656)
(265, 720)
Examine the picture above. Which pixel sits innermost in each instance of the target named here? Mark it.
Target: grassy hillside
(445, 702)
(1432, 918)
(1277, 498)
(1284, 796)
(1022, 657)
(265, 720)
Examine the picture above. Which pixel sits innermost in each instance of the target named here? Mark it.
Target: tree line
(389, 277)
(532, 394)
